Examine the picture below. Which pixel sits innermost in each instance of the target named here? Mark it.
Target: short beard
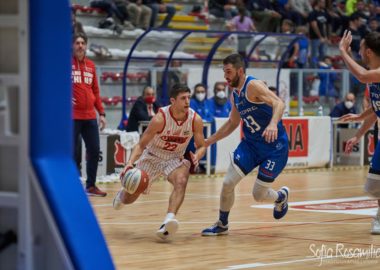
(235, 81)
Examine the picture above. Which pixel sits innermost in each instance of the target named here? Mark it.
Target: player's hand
(194, 160)
(345, 42)
(270, 133)
(207, 143)
(124, 171)
(350, 117)
(350, 145)
(102, 122)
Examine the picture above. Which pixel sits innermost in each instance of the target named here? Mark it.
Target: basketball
(135, 181)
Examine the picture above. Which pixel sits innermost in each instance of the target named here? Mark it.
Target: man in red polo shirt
(86, 100)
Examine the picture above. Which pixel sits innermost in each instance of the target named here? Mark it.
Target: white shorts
(155, 166)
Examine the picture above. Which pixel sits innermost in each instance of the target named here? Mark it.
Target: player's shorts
(271, 158)
(372, 185)
(155, 166)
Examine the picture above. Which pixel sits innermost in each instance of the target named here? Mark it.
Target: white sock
(169, 216)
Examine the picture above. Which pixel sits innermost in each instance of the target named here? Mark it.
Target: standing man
(86, 100)
(370, 54)
(265, 143)
(160, 152)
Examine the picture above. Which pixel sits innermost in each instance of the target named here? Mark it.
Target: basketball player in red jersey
(160, 152)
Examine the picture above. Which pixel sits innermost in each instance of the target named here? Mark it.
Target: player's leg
(372, 186)
(177, 172)
(269, 169)
(242, 162)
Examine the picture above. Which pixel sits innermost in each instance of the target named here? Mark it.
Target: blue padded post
(51, 135)
(124, 116)
(207, 63)
(165, 99)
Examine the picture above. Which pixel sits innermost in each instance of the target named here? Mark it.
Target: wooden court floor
(327, 226)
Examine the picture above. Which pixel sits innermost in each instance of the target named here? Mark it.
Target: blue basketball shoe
(281, 205)
(217, 229)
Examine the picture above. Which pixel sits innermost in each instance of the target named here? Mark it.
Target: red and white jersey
(172, 141)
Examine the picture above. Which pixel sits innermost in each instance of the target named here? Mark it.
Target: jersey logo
(174, 139)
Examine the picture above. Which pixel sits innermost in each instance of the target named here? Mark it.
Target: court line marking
(259, 264)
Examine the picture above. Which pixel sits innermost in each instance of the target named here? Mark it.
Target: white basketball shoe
(167, 229)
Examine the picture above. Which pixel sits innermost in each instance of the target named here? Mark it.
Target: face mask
(348, 104)
(200, 96)
(221, 94)
(150, 99)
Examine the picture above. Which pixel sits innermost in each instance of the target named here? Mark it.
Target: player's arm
(367, 124)
(362, 74)
(357, 117)
(258, 90)
(199, 141)
(227, 128)
(154, 127)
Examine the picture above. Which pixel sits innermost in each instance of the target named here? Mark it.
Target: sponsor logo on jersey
(174, 139)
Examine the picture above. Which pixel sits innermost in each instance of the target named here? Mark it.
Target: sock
(169, 216)
(223, 217)
(281, 197)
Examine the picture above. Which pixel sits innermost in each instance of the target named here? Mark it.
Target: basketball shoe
(95, 191)
(375, 229)
(117, 203)
(217, 229)
(167, 229)
(281, 205)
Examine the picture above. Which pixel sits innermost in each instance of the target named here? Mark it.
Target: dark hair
(146, 88)
(219, 83)
(236, 60)
(353, 17)
(199, 85)
(178, 89)
(372, 41)
(80, 35)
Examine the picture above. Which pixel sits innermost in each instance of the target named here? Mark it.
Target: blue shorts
(375, 161)
(271, 158)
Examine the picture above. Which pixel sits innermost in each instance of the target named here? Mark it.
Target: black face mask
(220, 101)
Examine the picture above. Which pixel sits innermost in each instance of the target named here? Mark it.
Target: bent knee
(258, 196)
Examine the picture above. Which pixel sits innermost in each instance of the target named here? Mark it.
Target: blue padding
(51, 135)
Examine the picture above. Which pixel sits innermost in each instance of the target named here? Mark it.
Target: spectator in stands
(158, 6)
(287, 27)
(354, 25)
(77, 27)
(139, 14)
(264, 14)
(199, 103)
(287, 12)
(110, 7)
(303, 44)
(327, 82)
(373, 25)
(319, 31)
(86, 101)
(220, 104)
(225, 9)
(144, 109)
(303, 8)
(345, 107)
(242, 23)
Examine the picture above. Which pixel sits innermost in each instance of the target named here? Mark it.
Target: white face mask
(348, 104)
(200, 96)
(221, 94)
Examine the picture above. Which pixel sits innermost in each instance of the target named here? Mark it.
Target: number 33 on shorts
(270, 165)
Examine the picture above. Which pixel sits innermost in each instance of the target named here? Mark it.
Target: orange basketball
(135, 181)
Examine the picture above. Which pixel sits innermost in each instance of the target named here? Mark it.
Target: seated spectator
(144, 109)
(220, 104)
(302, 8)
(157, 6)
(373, 25)
(264, 14)
(345, 107)
(327, 82)
(110, 7)
(199, 103)
(139, 14)
(225, 9)
(289, 60)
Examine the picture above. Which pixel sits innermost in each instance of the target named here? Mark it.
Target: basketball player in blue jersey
(370, 54)
(265, 143)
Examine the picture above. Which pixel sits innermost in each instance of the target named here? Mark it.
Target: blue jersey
(255, 115)
(374, 94)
